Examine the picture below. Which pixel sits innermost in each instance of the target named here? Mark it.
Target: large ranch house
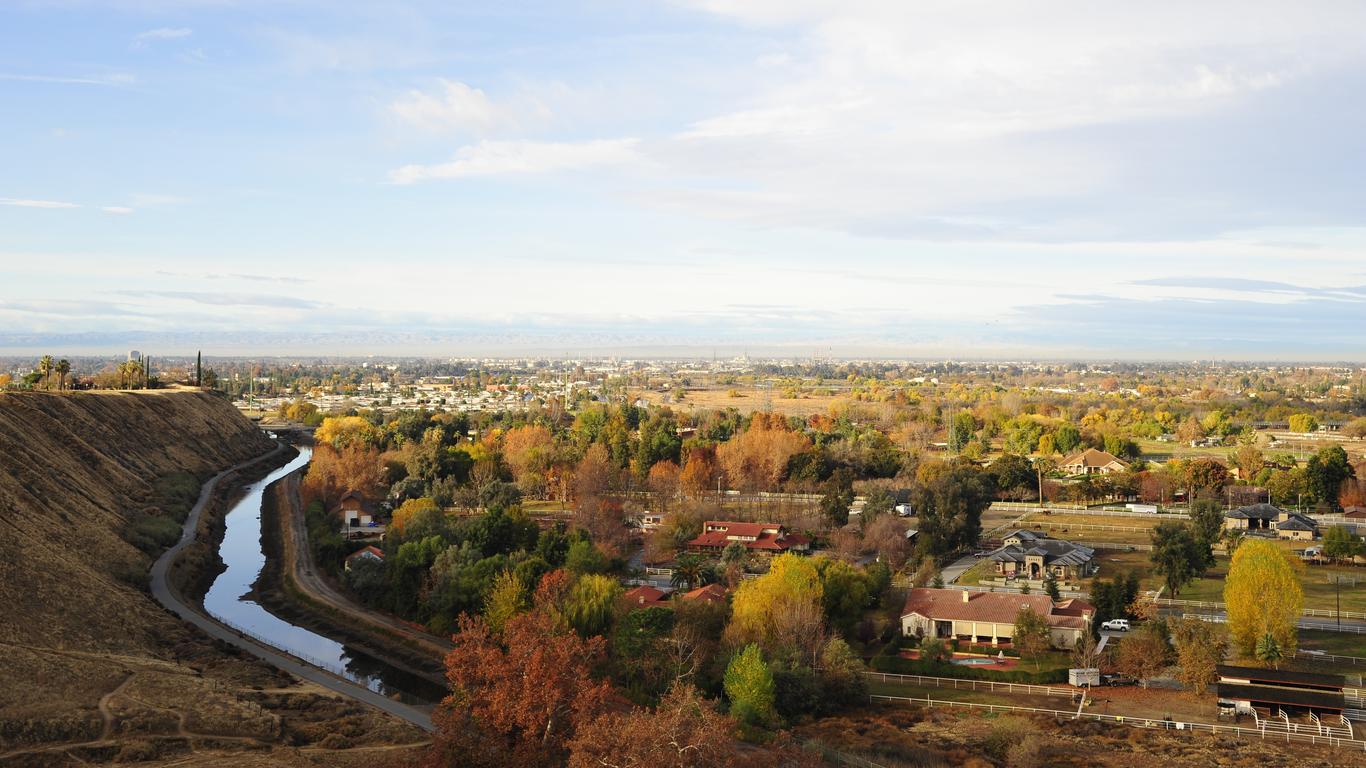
(1032, 555)
(760, 538)
(1092, 462)
(1268, 519)
(988, 618)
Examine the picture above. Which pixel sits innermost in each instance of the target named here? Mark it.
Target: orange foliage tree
(518, 700)
(756, 459)
(528, 452)
(334, 472)
(685, 731)
(700, 472)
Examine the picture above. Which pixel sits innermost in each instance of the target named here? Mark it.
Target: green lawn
(1340, 643)
(1319, 592)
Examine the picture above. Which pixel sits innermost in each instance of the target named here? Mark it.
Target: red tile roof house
(763, 538)
(369, 553)
(712, 593)
(989, 617)
(645, 596)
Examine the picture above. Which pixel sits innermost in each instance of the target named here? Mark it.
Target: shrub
(1006, 733)
(903, 666)
(151, 533)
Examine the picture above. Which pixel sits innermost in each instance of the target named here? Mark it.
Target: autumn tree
(594, 510)
(591, 602)
(507, 599)
(757, 458)
(684, 731)
(790, 593)
(407, 511)
(343, 432)
(1200, 648)
(1145, 653)
(333, 472)
(700, 473)
(529, 451)
(518, 701)
(1303, 422)
(1262, 595)
(749, 687)
(663, 482)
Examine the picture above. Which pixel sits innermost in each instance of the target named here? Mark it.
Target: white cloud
(115, 79)
(162, 33)
(116, 209)
(19, 203)
(489, 158)
(454, 106)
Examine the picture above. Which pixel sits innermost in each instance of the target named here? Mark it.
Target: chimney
(966, 595)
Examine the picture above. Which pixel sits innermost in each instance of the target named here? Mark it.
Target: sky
(1158, 180)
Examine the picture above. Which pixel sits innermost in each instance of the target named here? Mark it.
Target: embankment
(92, 487)
(279, 590)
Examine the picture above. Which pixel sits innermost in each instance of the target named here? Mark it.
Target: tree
(506, 599)
(839, 494)
(1050, 586)
(690, 571)
(1143, 654)
(591, 602)
(1190, 430)
(961, 430)
(950, 498)
(757, 458)
(45, 365)
(1177, 556)
(876, 503)
(407, 511)
(1326, 472)
(1269, 651)
(529, 452)
(1066, 438)
(1262, 595)
(63, 370)
(519, 701)
(1200, 648)
(1303, 422)
(1031, 634)
(1204, 475)
(847, 592)
(789, 593)
(749, 687)
(1339, 543)
(684, 731)
(700, 474)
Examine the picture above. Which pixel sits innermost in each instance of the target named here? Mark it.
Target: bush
(151, 533)
(1007, 733)
(903, 666)
(176, 493)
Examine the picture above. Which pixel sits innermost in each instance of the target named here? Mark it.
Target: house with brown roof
(712, 593)
(365, 553)
(645, 596)
(989, 617)
(1092, 462)
(761, 538)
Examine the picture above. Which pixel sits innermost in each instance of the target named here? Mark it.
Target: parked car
(1116, 625)
(983, 553)
(1114, 680)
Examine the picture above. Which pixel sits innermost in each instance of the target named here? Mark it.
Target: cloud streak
(495, 158)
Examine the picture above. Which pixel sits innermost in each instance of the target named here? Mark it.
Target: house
(1245, 689)
(763, 538)
(365, 553)
(712, 593)
(1293, 525)
(649, 521)
(1354, 512)
(1267, 518)
(645, 596)
(1032, 555)
(353, 510)
(989, 617)
(1252, 517)
(1092, 462)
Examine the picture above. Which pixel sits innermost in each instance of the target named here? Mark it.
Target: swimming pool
(974, 662)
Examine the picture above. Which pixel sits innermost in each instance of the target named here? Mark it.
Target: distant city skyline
(971, 180)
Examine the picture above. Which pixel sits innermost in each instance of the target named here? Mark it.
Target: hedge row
(904, 666)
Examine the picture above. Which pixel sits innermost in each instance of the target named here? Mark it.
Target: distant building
(645, 596)
(762, 538)
(1092, 462)
(1032, 555)
(1246, 689)
(353, 510)
(989, 617)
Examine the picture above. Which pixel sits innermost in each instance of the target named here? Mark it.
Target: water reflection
(229, 601)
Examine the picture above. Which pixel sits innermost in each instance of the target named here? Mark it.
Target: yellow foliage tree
(407, 510)
(346, 432)
(1263, 596)
(791, 586)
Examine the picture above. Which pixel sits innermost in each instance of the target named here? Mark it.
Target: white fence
(1079, 509)
(1355, 629)
(971, 685)
(1319, 612)
(1308, 736)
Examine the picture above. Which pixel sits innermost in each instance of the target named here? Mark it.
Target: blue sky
(955, 179)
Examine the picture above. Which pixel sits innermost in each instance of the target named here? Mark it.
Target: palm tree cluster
(130, 374)
(47, 366)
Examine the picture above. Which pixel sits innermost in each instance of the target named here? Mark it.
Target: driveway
(952, 571)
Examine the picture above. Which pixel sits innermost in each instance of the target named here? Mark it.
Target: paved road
(299, 559)
(952, 571)
(169, 597)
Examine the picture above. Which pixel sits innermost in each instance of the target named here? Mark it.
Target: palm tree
(1269, 651)
(45, 368)
(689, 571)
(63, 370)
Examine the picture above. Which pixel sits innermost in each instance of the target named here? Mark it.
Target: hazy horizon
(922, 180)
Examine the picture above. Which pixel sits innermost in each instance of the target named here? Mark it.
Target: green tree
(847, 593)
(1325, 473)
(1050, 586)
(876, 503)
(591, 602)
(507, 599)
(584, 558)
(1177, 556)
(962, 428)
(45, 366)
(690, 572)
(1269, 650)
(1066, 438)
(1031, 635)
(1339, 543)
(63, 369)
(749, 687)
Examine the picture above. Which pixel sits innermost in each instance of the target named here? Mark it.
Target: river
(229, 600)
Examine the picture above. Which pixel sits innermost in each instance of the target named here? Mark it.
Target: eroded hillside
(89, 657)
